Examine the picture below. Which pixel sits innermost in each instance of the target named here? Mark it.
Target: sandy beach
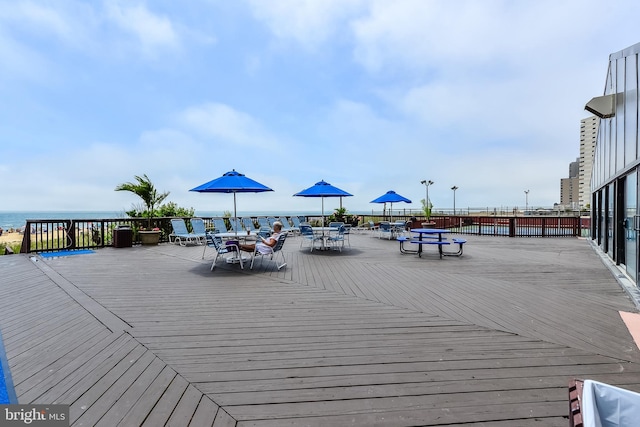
(14, 237)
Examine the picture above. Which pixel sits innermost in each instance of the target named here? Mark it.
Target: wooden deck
(149, 336)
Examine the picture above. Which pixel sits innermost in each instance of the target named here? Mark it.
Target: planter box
(149, 237)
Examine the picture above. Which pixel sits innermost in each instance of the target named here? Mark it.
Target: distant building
(588, 136)
(569, 187)
(615, 214)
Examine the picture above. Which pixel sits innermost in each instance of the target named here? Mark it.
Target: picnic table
(429, 236)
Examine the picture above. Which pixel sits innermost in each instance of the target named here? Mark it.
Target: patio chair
(222, 249)
(199, 230)
(273, 252)
(336, 238)
(219, 225)
(286, 226)
(307, 234)
(248, 224)
(264, 232)
(295, 221)
(271, 220)
(385, 230)
(263, 222)
(236, 225)
(347, 232)
(180, 233)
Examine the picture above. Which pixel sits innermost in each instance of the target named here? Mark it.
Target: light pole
(426, 184)
(526, 201)
(454, 188)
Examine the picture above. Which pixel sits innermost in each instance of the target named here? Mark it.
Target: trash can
(122, 236)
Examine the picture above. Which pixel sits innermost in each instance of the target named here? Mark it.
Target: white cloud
(308, 23)
(228, 126)
(154, 32)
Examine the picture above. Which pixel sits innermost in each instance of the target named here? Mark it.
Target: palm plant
(145, 189)
(426, 208)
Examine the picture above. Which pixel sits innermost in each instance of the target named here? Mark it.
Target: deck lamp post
(526, 201)
(426, 183)
(454, 188)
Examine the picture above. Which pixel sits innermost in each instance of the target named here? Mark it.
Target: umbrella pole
(235, 215)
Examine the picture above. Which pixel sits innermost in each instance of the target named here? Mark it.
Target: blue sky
(368, 95)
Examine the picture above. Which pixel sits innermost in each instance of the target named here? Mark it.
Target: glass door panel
(631, 241)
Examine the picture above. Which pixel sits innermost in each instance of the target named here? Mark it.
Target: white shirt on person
(265, 249)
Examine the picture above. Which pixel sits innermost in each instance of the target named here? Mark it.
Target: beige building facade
(588, 137)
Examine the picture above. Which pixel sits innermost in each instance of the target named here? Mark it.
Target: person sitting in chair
(264, 245)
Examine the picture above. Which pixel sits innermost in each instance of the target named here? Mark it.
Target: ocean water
(9, 220)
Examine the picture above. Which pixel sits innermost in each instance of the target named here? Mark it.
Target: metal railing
(66, 234)
(514, 226)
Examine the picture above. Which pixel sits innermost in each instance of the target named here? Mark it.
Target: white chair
(264, 222)
(236, 225)
(219, 225)
(307, 235)
(385, 230)
(180, 233)
(272, 253)
(347, 232)
(336, 238)
(296, 224)
(248, 224)
(199, 230)
(221, 249)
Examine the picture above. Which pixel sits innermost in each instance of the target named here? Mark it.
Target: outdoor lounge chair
(222, 249)
(219, 225)
(199, 230)
(264, 222)
(236, 225)
(248, 224)
(296, 224)
(286, 226)
(274, 251)
(180, 233)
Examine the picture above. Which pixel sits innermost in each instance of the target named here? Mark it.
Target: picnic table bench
(441, 242)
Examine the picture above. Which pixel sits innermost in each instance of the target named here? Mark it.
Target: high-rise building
(588, 136)
(569, 194)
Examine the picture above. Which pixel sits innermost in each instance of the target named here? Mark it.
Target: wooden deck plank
(167, 403)
(123, 401)
(366, 336)
(205, 414)
(186, 407)
(62, 364)
(90, 368)
(223, 419)
(93, 404)
(145, 404)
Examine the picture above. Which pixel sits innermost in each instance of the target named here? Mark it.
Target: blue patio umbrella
(232, 182)
(323, 189)
(391, 197)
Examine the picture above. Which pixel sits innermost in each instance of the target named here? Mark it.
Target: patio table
(323, 232)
